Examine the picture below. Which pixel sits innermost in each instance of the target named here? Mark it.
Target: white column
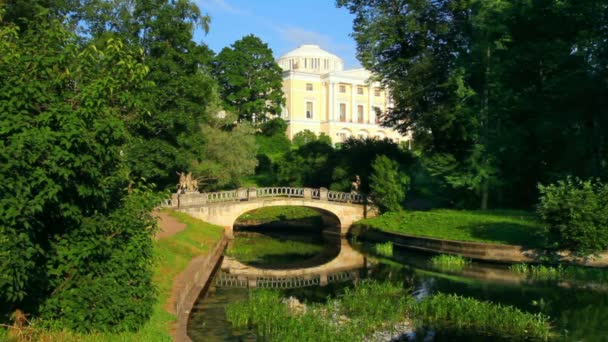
(334, 102)
(370, 108)
(353, 111)
(330, 101)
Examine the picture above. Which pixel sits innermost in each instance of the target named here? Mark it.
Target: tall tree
(181, 94)
(73, 237)
(250, 80)
(494, 90)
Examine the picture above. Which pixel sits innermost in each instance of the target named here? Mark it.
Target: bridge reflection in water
(345, 266)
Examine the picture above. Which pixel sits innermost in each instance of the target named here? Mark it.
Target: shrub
(575, 214)
(388, 184)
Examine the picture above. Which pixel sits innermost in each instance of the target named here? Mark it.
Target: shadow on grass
(508, 233)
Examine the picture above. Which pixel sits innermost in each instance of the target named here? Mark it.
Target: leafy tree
(274, 126)
(575, 213)
(229, 154)
(501, 88)
(67, 222)
(181, 94)
(388, 184)
(250, 80)
(317, 158)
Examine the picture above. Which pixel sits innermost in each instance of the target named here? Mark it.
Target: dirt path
(168, 225)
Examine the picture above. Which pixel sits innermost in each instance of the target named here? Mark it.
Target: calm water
(579, 310)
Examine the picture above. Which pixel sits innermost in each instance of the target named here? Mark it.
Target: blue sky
(283, 25)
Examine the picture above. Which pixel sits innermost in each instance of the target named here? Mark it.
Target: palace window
(376, 92)
(360, 90)
(360, 113)
(309, 86)
(343, 112)
(309, 110)
(342, 88)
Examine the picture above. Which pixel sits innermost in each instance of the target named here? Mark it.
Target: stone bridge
(338, 209)
(344, 267)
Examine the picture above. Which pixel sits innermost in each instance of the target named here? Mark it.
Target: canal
(310, 266)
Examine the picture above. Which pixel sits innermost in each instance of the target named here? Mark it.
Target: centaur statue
(186, 182)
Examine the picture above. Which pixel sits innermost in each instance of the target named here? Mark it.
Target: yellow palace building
(324, 98)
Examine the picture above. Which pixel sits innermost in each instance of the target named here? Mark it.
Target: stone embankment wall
(479, 251)
(188, 285)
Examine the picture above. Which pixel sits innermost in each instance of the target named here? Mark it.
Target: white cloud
(297, 36)
(221, 5)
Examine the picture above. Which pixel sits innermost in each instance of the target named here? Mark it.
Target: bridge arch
(329, 218)
(223, 208)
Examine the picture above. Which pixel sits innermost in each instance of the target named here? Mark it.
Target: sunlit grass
(282, 213)
(501, 227)
(560, 272)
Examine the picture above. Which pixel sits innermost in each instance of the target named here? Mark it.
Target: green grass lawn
(173, 255)
(491, 226)
(282, 213)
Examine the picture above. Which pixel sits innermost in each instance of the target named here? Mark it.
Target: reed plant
(449, 262)
(384, 249)
(560, 272)
(453, 311)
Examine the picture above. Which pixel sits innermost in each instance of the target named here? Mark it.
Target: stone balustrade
(196, 198)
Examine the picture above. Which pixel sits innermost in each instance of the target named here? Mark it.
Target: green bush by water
(491, 226)
(283, 213)
(575, 214)
(442, 310)
(450, 262)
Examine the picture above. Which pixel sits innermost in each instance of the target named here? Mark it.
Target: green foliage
(388, 184)
(306, 137)
(274, 126)
(494, 92)
(354, 156)
(449, 311)
(449, 262)
(78, 244)
(101, 273)
(317, 156)
(503, 227)
(575, 214)
(228, 156)
(274, 147)
(250, 80)
(561, 273)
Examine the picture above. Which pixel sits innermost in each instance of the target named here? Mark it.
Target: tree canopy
(250, 80)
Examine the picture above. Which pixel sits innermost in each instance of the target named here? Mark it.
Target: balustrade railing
(280, 192)
(222, 196)
(338, 196)
(196, 199)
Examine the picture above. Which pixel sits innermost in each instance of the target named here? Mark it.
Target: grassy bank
(500, 226)
(282, 213)
(173, 255)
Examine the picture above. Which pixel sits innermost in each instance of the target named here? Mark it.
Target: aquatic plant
(573, 273)
(384, 249)
(450, 262)
(359, 312)
(453, 311)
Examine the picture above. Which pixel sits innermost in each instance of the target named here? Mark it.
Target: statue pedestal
(190, 198)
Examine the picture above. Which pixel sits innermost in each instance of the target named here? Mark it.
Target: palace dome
(311, 59)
